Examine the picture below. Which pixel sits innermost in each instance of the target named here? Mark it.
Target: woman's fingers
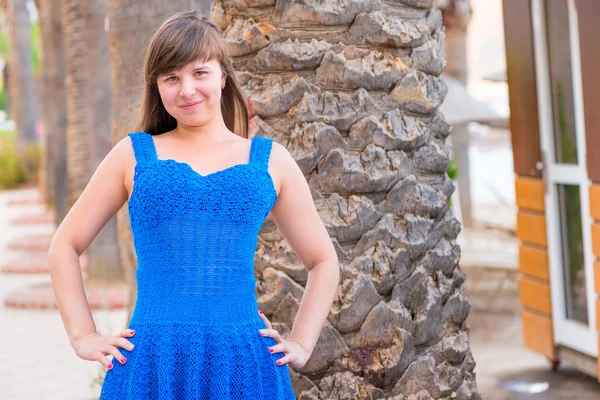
(272, 333)
(104, 361)
(264, 318)
(111, 348)
(284, 360)
(122, 342)
(127, 333)
(113, 351)
(279, 348)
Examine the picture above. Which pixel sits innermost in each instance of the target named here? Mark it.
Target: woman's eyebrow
(196, 67)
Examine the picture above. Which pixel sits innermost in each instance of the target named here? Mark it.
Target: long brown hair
(183, 38)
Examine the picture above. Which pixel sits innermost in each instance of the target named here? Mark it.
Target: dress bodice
(195, 235)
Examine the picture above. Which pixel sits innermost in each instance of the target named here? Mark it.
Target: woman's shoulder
(282, 164)
(280, 154)
(123, 153)
(124, 147)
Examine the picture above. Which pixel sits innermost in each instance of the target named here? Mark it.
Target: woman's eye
(174, 78)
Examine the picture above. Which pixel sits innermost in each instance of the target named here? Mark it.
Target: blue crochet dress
(196, 316)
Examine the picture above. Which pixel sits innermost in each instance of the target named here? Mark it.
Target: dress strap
(260, 151)
(143, 147)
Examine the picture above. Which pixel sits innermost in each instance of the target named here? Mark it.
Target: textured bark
(89, 97)
(352, 90)
(132, 23)
(22, 89)
(53, 106)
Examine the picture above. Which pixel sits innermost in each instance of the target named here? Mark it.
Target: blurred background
(521, 92)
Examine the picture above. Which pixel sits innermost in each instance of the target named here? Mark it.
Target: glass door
(562, 135)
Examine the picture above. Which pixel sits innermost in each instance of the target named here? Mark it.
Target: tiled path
(36, 359)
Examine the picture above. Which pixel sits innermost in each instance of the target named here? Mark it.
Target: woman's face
(192, 94)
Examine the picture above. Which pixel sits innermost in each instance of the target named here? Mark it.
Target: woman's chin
(197, 121)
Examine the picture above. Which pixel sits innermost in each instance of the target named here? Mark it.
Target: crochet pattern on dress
(196, 315)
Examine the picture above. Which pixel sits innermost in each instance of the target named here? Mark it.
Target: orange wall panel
(534, 261)
(535, 295)
(531, 227)
(595, 202)
(538, 334)
(529, 193)
(596, 239)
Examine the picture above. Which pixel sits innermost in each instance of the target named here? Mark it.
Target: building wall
(589, 32)
(534, 280)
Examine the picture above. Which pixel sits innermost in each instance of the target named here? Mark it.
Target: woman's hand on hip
(95, 347)
(295, 354)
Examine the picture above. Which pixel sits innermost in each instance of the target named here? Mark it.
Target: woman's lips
(191, 106)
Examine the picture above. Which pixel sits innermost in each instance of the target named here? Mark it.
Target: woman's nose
(187, 87)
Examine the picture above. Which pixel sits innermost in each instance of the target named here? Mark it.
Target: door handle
(542, 166)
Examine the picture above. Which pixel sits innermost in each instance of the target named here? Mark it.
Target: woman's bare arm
(298, 221)
(104, 195)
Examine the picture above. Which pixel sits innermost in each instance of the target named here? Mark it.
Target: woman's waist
(196, 307)
(192, 279)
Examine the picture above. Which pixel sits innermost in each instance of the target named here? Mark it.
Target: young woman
(197, 196)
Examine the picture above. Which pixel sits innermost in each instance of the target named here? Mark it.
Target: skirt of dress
(193, 362)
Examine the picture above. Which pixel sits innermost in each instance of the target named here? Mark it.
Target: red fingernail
(132, 332)
(109, 366)
(278, 362)
(123, 360)
(271, 350)
(260, 312)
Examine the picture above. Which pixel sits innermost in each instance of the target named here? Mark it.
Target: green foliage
(35, 47)
(3, 99)
(4, 44)
(14, 171)
(11, 171)
(452, 170)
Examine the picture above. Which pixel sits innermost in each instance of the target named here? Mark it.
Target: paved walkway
(507, 371)
(36, 360)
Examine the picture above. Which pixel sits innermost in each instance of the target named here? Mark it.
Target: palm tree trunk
(353, 90)
(128, 43)
(53, 105)
(89, 114)
(22, 91)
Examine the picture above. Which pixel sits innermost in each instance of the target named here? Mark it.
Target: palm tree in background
(352, 90)
(53, 106)
(21, 78)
